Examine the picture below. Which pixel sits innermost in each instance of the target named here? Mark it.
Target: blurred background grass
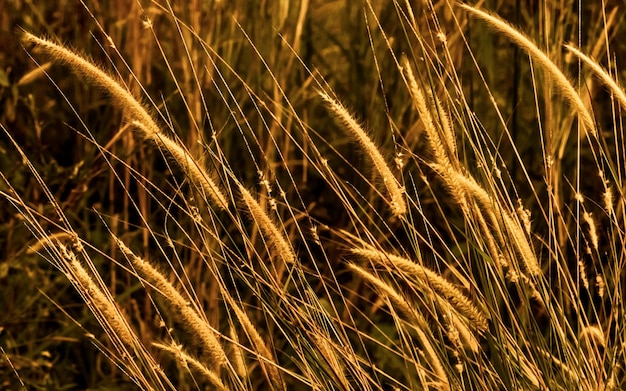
(339, 43)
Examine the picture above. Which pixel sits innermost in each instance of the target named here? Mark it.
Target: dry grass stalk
(432, 280)
(518, 237)
(593, 233)
(560, 80)
(489, 240)
(189, 316)
(124, 99)
(268, 228)
(137, 362)
(400, 303)
(446, 126)
(50, 241)
(395, 191)
(466, 337)
(450, 178)
(188, 361)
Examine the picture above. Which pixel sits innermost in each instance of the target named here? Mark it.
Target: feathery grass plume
(466, 337)
(146, 373)
(592, 338)
(270, 230)
(430, 279)
(124, 99)
(593, 233)
(607, 198)
(187, 163)
(560, 80)
(398, 302)
(236, 354)
(327, 351)
(602, 74)
(446, 125)
(524, 215)
(600, 285)
(187, 361)
(506, 227)
(189, 316)
(120, 328)
(266, 358)
(489, 240)
(50, 241)
(517, 235)
(396, 193)
(443, 148)
(582, 272)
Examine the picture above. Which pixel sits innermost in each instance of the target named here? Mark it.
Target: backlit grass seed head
(99, 300)
(187, 361)
(608, 200)
(506, 227)
(187, 163)
(236, 354)
(548, 66)
(398, 302)
(139, 115)
(600, 285)
(268, 228)
(582, 272)
(444, 148)
(188, 315)
(431, 280)
(266, 359)
(121, 97)
(602, 74)
(593, 233)
(395, 192)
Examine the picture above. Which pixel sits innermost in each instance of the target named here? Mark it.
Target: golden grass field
(308, 194)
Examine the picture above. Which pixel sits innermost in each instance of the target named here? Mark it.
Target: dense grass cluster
(357, 195)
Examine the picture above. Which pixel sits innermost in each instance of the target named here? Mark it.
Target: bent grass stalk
(283, 249)
(602, 74)
(266, 358)
(128, 345)
(187, 163)
(443, 156)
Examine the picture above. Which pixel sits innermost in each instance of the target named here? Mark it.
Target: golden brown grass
(502, 256)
